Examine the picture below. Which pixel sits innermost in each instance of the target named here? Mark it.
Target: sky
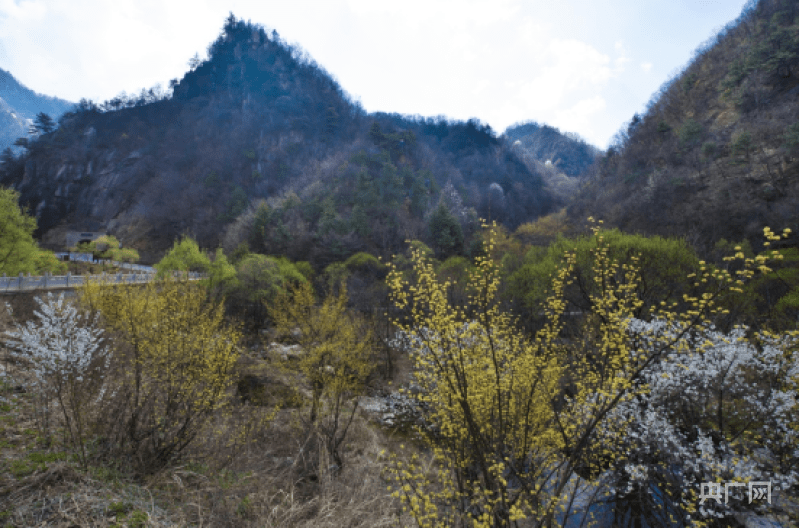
(584, 66)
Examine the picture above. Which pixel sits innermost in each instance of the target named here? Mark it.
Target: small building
(74, 238)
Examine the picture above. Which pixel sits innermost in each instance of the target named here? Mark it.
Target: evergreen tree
(359, 221)
(445, 232)
(43, 124)
(7, 157)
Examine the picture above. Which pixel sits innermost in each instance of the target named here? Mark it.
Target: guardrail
(54, 282)
(89, 257)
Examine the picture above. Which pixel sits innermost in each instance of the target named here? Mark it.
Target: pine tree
(445, 232)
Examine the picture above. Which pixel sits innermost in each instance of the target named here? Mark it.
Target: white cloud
(565, 67)
(581, 116)
(646, 67)
(441, 12)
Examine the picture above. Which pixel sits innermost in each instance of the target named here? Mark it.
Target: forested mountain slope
(563, 159)
(716, 153)
(19, 106)
(259, 120)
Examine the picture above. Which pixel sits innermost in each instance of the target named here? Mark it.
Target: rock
(287, 352)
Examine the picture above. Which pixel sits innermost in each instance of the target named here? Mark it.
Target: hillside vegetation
(260, 129)
(19, 106)
(716, 153)
(363, 351)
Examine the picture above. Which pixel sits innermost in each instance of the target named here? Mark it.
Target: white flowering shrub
(718, 408)
(64, 348)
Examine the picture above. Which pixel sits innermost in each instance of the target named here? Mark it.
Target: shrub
(68, 362)
(185, 255)
(520, 427)
(176, 369)
(336, 359)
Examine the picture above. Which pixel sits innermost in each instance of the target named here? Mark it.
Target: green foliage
(545, 229)
(539, 410)
(456, 270)
(241, 251)
(261, 278)
(395, 143)
(690, 133)
(237, 203)
(107, 247)
(359, 222)
(772, 298)
(709, 149)
(329, 219)
(737, 72)
(365, 264)
(445, 233)
(305, 268)
(334, 274)
(742, 144)
(791, 137)
(222, 276)
(689, 81)
(663, 127)
(185, 255)
(419, 196)
(421, 247)
(663, 264)
(35, 461)
(19, 252)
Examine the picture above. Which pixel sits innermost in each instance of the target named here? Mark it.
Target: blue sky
(584, 66)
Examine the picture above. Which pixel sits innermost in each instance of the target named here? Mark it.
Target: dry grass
(244, 471)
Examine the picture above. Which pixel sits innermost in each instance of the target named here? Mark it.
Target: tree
(195, 62)
(19, 252)
(43, 124)
(175, 371)
(65, 348)
(445, 232)
(521, 427)
(336, 360)
(185, 255)
(259, 280)
(222, 276)
(726, 412)
(663, 265)
(107, 247)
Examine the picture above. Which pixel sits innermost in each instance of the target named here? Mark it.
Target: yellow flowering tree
(521, 427)
(175, 363)
(336, 360)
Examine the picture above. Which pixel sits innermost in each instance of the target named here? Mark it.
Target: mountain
(563, 159)
(716, 153)
(566, 152)
(259, 145)
(19, 106)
